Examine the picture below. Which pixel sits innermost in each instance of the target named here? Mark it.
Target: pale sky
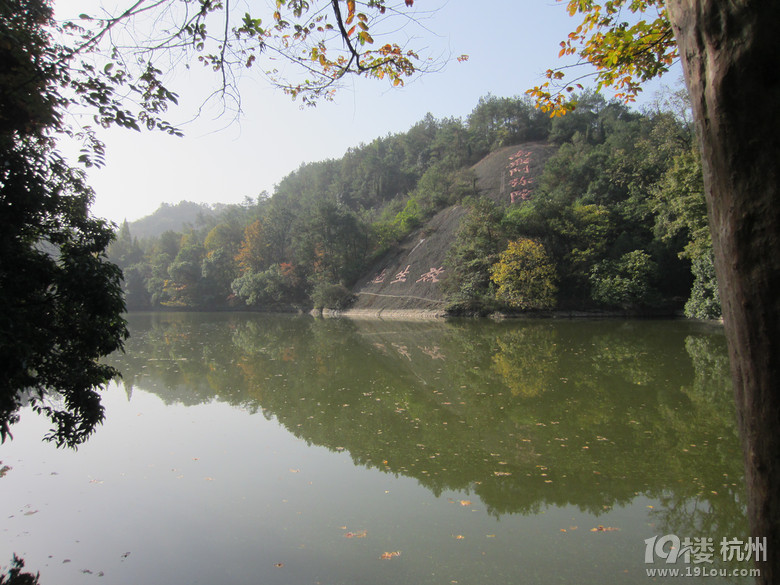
(510, 44)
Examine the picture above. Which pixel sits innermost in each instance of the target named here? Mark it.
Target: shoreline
(438, 314)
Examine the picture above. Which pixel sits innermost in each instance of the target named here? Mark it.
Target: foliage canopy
(61, 300)
(627, 41)
(525, 276)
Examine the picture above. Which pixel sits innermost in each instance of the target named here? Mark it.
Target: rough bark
(729, 51)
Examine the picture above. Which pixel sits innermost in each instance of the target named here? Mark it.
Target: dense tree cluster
(618, 216)
(619, 209)
(325, 221)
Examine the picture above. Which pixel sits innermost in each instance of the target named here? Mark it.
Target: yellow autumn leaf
(390, 555)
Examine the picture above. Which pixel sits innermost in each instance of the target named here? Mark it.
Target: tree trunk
(729, 51)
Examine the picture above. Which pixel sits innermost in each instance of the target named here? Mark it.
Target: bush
(270, 287)
(525, 276)
(410, 217)
(326, 295)
(625, 282)
(704, 302)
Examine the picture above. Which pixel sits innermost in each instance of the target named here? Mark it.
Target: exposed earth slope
(408, 280)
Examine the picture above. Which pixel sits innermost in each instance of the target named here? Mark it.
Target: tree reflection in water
(524, 415)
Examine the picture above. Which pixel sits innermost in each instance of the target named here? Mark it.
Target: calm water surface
(272, 449)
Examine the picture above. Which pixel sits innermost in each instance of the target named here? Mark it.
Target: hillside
(409, 279)
(495, 172)
(602, 210)
(171, 217)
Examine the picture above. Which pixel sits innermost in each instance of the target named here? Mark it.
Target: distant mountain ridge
(173, 217)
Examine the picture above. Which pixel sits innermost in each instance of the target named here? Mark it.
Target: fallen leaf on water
(357, 534)
(390, 555)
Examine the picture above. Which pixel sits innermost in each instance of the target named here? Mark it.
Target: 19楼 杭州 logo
(703, 549)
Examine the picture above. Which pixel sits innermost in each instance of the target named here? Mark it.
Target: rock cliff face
(407, 281)
(409, 278)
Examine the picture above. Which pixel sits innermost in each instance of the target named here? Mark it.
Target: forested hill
(506, 210)
(168, 217)
(412, 276)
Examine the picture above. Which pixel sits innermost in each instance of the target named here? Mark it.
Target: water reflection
(521, 415)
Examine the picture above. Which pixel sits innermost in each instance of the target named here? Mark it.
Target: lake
(247, 448)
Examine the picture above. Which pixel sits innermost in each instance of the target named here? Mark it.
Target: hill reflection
(523, 415)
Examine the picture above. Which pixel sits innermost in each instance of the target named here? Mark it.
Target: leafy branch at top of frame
(624, 50)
